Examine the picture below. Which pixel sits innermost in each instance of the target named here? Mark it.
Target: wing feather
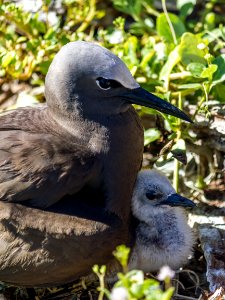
(39, 167)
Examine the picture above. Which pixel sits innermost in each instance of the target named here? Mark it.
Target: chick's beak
(177, 200)
(142, 97)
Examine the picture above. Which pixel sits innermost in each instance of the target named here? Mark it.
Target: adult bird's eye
(151, 195)
(107, 84)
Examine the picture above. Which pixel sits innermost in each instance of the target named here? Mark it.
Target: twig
(179, 282)
(179, 75)
(176, 162)
(89, 17)
(150, 10)
(193, 273)
(185, 297)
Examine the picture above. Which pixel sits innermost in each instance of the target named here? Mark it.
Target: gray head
(153, 190)
(87, 79)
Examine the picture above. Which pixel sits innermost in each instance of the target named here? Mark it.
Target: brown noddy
(163, 236)
(84, 148)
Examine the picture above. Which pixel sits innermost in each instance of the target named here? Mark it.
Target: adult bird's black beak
(177, 200)
(142, 97)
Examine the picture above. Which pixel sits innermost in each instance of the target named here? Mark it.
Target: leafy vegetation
(132, 285)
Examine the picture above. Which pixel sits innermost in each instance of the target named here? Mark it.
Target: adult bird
(72, 164)
(162, 236)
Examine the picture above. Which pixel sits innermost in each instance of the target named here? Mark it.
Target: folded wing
(37, 166)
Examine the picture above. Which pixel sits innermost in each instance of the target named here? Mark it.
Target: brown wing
(38, 166)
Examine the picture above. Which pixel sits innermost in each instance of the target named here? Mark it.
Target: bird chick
(163, 236)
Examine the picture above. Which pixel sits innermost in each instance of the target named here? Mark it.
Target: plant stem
(176, 162)
(169, 22)
(150, 10)
(179, 75)
(90, 16)
(204, 99)
(176, 175)
(101, 288)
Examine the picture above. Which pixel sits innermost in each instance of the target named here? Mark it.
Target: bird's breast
(122, 161)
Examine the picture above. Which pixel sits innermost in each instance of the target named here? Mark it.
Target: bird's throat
(85, 131)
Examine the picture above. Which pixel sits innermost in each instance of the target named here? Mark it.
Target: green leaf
(136, 276)
(95, 269)
(192, 86)
(215, 34)
(102, 269)
(43, 66)
(208, 72)
(189, 51)
(122, 254)
(163, 28)
(179, 151)
(172, 60)
(50, 34)
(150, 283)
(40, 26)
(130, 7)
(69, 2)
(146, 58)
(196, 69)
(2, 73)
(8, 58)
(131, 47)
(219, 92)
(167, 294)
(180, 144)
(185, 7)
(21, 39)
(47, 2)
(137, 290)
(151, 135)
(219, 75)
(210, 20)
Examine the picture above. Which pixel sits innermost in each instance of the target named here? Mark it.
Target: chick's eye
(151, 195)
(107, 84)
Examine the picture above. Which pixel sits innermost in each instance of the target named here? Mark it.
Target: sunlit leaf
(151, 135)
(219, 92)
(179, 151)
(47, 2)
(164, 30)
(131, 7)
(219, 75)
(192, 86)
(43, 66)
(189, 51)
(185, 7)
(172, 60)
(196, 69)
(122, 254)
(167, 294)
(208, 72)
(210, 20)
(8, 58)
(137, 290)
(215, 34)
(22, 39)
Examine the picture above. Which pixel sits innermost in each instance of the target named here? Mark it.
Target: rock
(212, 238)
